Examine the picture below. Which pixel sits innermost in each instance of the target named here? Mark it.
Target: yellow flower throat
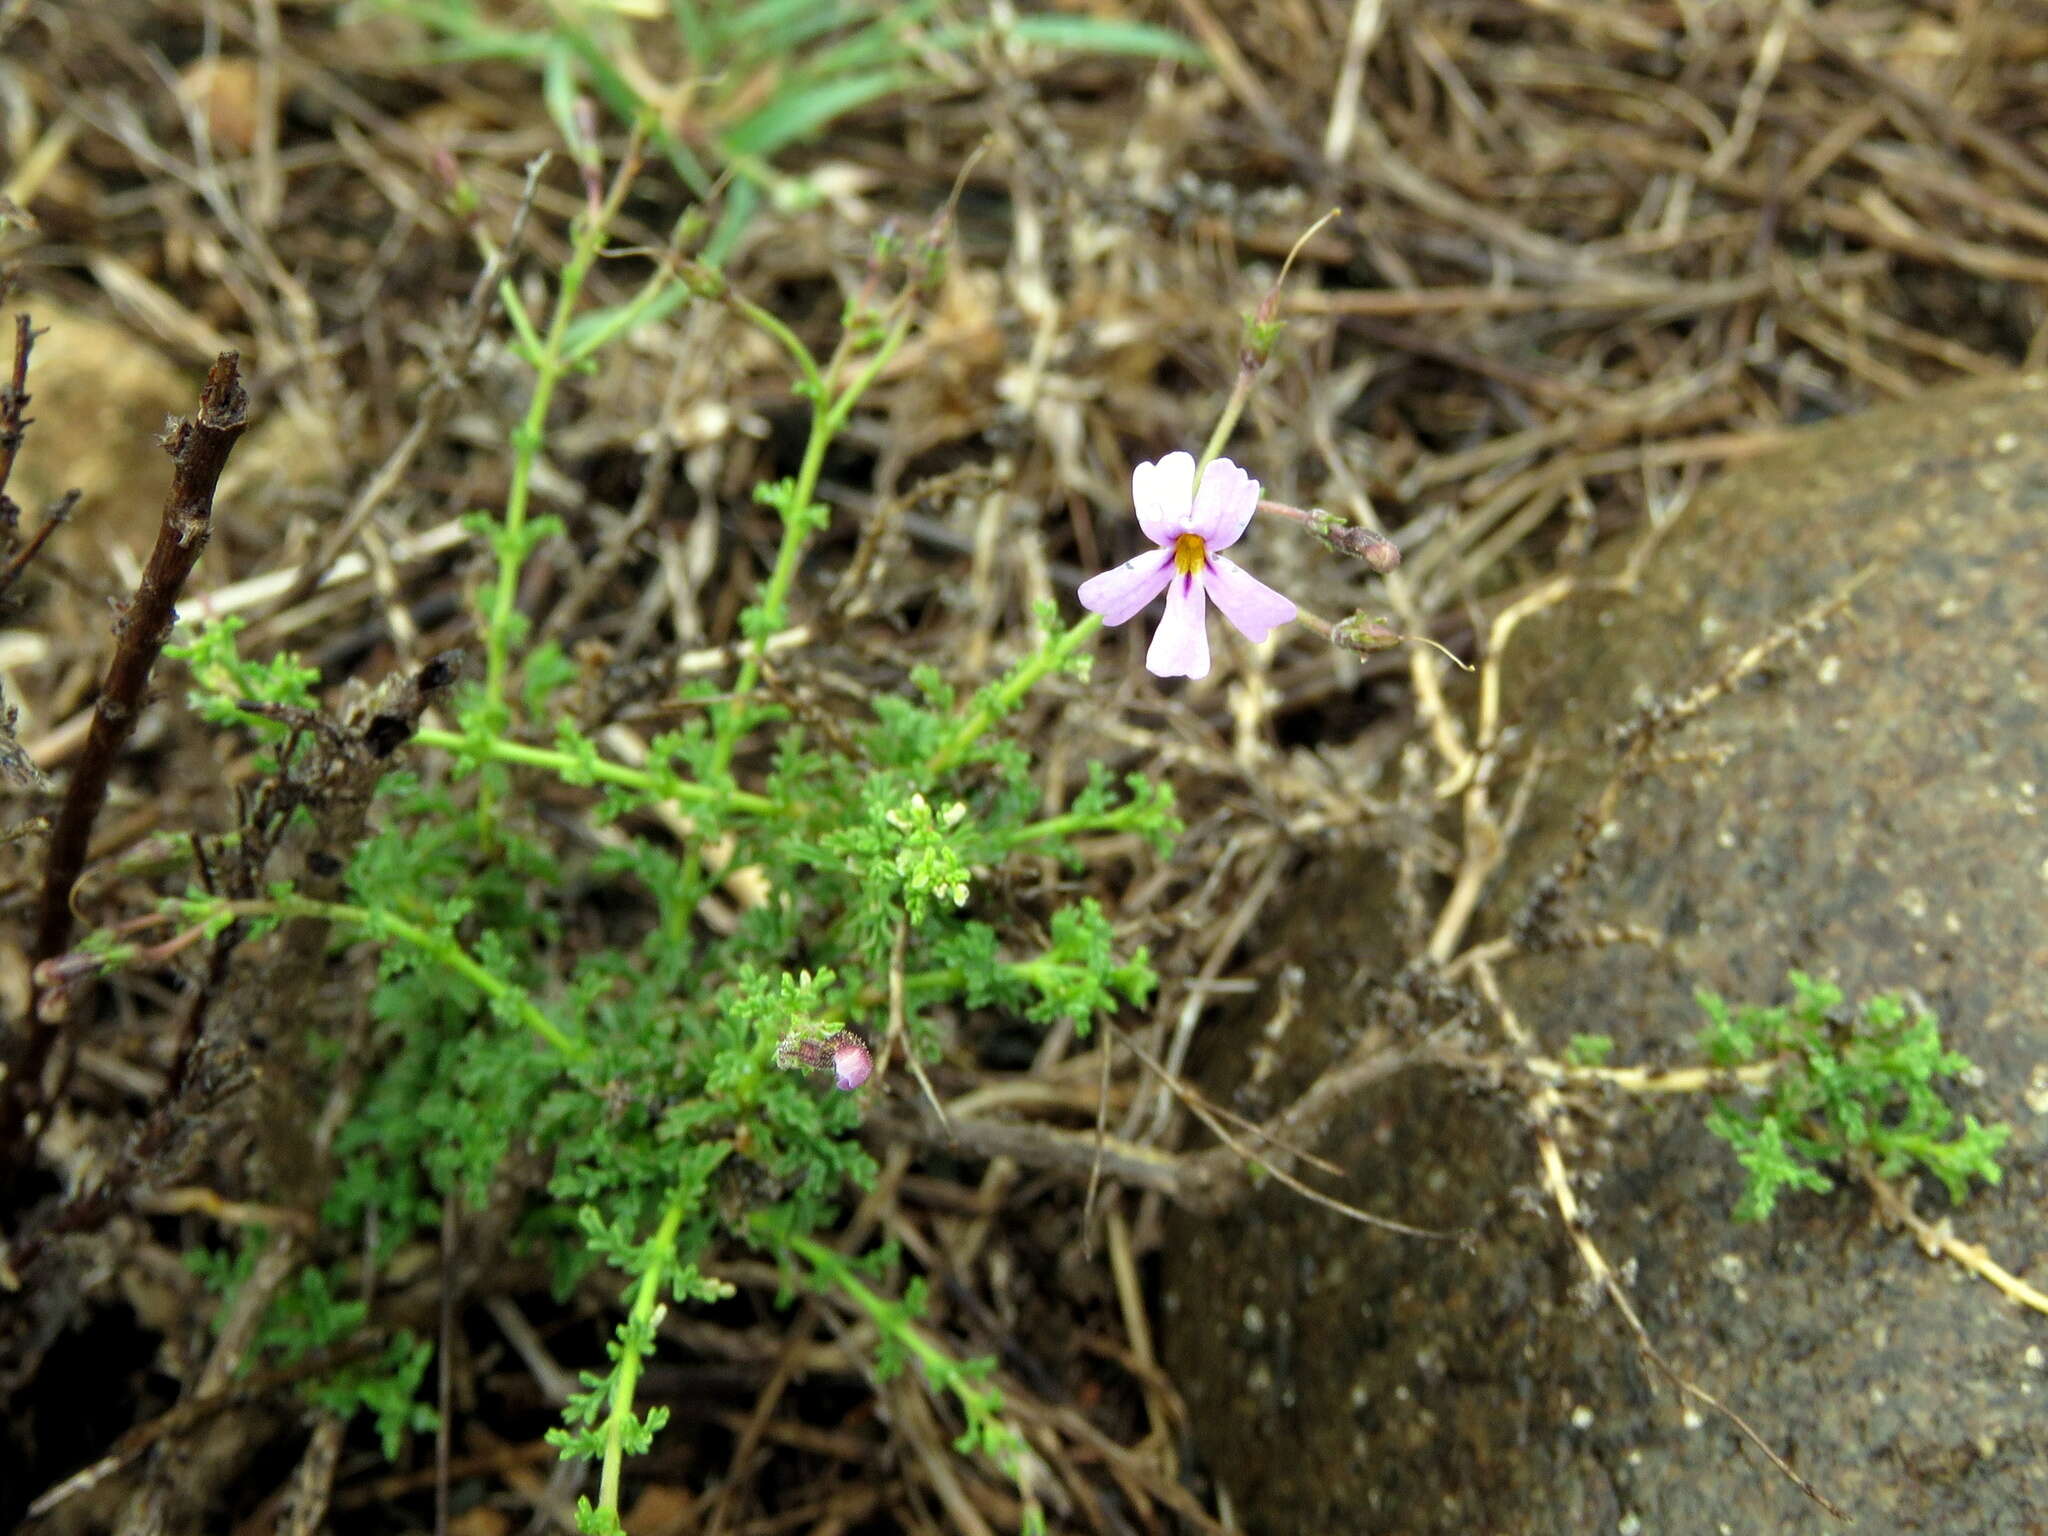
(1190, 553)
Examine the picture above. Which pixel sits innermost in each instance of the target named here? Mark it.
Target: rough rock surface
(1881, 823)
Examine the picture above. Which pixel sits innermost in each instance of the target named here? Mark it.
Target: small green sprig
(1849, 1087)
(1588, 1050)
(230, 689)
(511, 534)
(310, 1315)
(987, 1430)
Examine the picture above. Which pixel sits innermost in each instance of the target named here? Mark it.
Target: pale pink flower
(1189, 526)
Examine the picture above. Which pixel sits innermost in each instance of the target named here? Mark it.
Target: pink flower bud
(1380, 553)
(843, 1053)
(851, 1062)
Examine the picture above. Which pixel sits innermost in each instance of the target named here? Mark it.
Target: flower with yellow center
(1189, 525)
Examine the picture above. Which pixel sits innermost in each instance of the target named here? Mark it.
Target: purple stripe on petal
(1120, 593)
(1180, 646)
(1163, 493)
(1247, 602)
(1224, 505)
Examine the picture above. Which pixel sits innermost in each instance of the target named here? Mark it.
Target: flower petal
(1180, 646)
(1164, 492)
(851, 1062)
(1247, 602)
(1224, 505)
(1120, 593)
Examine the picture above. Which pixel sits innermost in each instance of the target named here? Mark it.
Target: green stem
(831, 1266)
(796, 528)
(947, 979)
(1069, 824)
(527, 438)
(569, 768)
(646, 1300)
(829, 412)
(439, 947)
(1002, 700)
(790, 342)
(1227, 422)
(982, 1405)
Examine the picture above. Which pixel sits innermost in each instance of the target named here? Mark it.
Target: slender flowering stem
(829, 413)
(1357, 633)
(549, 367)
(1262, 334)
(1233, 408)
(1365, 635)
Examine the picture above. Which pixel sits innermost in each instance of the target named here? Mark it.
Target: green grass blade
(619, 97)
(796, 115)
(559, 89)
(880, 43)
(597, 329)
(695, 30)
(772, 29)
(1086, 34)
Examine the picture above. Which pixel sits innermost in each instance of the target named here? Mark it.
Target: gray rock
(1883, 823)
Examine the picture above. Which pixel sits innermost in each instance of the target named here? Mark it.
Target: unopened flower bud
(1376, 550)
(461, 195)
(1364, 635)
(842, 1053)
(59, 977)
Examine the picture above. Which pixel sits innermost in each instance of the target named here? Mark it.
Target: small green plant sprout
(230, 689)
(1851, 1088)
(309, 1319)
(1589, 1050)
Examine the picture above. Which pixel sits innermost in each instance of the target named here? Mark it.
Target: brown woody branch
(199, 448)
(54, 517)
(13, 402)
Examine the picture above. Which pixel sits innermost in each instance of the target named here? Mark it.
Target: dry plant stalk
(199, 448)
(14, 401)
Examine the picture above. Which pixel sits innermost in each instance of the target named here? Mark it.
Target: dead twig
(53, 519)
(1546, 1109)
(199, 448)
(14, 398)
(196, 1410)
(1937, 1240)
